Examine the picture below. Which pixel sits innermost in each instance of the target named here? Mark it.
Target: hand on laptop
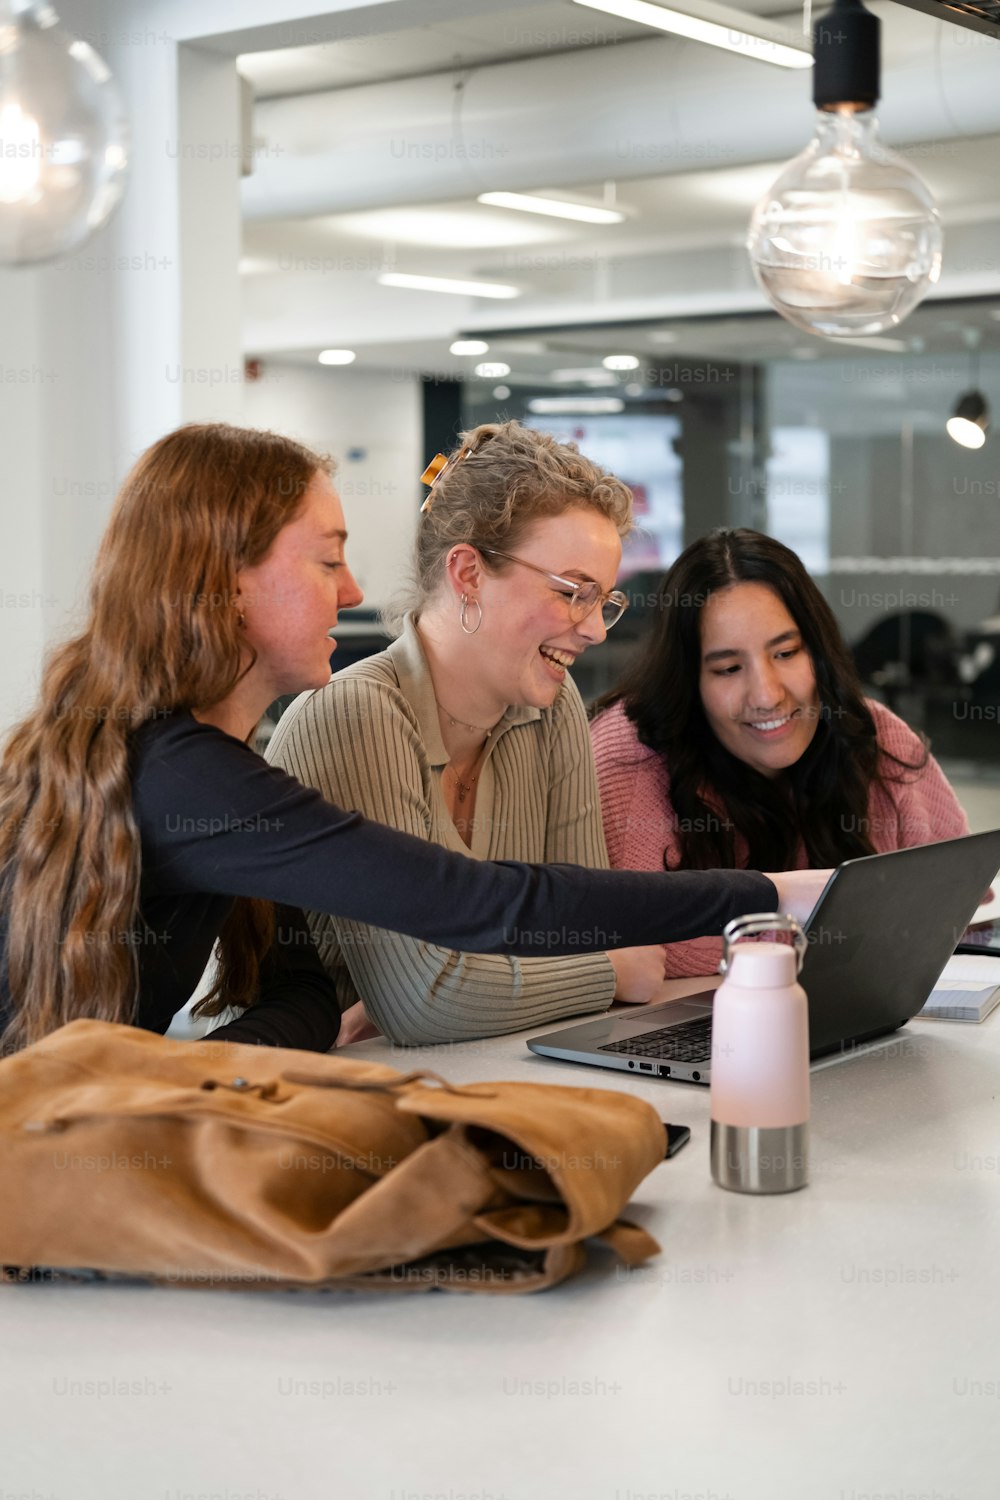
(799, 890)
(639, 974)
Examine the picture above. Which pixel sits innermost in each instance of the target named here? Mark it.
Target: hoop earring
(462, 614)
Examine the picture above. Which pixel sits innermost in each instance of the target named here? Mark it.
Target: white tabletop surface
(840, 1342)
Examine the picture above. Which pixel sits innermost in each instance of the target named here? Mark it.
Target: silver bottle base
(746, 1159)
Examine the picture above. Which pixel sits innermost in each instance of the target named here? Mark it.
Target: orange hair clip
(433, 469)
(433, 473)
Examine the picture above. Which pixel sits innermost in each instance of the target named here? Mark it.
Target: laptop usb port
(646, 1067)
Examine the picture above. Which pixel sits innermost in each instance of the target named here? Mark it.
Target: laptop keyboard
(689, 1042)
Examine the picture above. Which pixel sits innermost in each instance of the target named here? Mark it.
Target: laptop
(878, 938)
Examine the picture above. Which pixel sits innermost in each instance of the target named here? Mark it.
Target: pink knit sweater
(640, 824)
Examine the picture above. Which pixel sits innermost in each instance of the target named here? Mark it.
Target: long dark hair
(821, 800)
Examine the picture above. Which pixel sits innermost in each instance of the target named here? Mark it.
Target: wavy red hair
(162, 633)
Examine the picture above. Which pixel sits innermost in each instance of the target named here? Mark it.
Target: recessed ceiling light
(620, 362)
(447, 284)
(718, 25)
(501, 392)
(587, 375)
(634, 389)
(337, 357)
(493, 370)
(556, 208)
(584, 405)
(469, 346)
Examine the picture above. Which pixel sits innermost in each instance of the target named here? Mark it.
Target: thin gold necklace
(464, 788)
(461, 723)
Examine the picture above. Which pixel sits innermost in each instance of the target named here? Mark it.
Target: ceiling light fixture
(847, 240)
(447, 284)
(970, 421)
(501, 392)
(584, 405)
(555, 208)
(717, 25)
(469, 346)
(493, 370)
(63, 137)
(337, 357)
(587, 375)
(620, 362)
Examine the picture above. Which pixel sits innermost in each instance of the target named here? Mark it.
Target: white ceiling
(549, 26)
(310, 282)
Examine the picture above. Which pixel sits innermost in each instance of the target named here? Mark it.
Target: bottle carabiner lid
(757, 923)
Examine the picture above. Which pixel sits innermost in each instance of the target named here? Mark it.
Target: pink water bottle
(760, 1061)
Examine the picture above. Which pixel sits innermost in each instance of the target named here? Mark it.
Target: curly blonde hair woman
(468, 732)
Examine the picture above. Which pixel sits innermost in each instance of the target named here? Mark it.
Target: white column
(207, 160)
(23, 602)
(107, 350)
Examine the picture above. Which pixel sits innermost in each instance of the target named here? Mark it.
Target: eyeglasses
(581, 597)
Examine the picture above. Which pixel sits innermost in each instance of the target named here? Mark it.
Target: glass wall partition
(838, 449)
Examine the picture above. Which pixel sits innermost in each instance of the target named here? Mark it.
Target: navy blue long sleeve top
(216, 822)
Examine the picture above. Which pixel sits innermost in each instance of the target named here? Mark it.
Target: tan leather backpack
(215, 1164)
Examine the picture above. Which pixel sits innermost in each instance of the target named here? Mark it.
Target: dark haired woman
(740, 738)
(137, 826)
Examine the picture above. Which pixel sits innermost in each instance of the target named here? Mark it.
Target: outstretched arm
(215, 817)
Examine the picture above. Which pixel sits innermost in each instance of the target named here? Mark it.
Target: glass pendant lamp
(63, 137)
(848, 239)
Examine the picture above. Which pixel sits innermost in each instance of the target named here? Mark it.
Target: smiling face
(290, 599)
(528, 639)
(757, 684)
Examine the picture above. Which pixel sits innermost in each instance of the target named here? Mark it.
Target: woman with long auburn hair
(740, 737)
(138, 827)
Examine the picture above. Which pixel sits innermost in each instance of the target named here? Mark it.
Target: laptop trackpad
(639, 1018)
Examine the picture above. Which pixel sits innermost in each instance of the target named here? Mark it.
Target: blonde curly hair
(500, 479)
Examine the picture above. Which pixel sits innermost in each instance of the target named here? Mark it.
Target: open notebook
(967, 990)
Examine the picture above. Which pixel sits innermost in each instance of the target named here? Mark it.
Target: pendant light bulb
(63, 137)
(970, 421)
(847, 240)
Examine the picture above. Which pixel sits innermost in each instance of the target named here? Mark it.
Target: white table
(840, 1342)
